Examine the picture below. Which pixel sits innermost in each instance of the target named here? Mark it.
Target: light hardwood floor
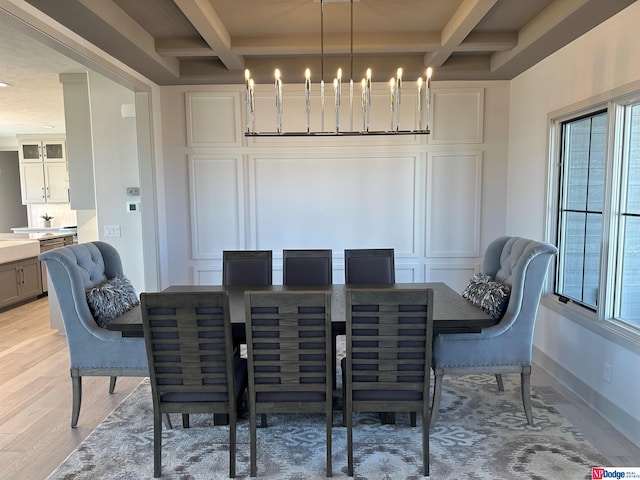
(35, 400)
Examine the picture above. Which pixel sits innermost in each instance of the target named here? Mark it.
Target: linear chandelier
(423, 92)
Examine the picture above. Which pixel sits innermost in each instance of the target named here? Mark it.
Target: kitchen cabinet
(47, 244)
(19, 281)
(44, 176)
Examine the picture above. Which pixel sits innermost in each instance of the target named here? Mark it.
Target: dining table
(452, 313)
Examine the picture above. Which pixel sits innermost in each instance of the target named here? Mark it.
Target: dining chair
(288, 350)
(93, 350)
(388, 356)
(520, 264)
(369, 266)
(192, 366)
(307, 267)
(247, 267)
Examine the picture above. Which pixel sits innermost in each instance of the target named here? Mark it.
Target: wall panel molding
(216, 204)
(454, 196)
(458, 116)
(213, 119)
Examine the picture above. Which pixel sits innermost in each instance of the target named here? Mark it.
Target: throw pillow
(492, 297)
(111, 299)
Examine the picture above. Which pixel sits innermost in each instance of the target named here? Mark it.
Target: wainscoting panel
(457, 116)
(455, 275)
(333, 202)
(454, 195)
(213, 119)
(216, 204)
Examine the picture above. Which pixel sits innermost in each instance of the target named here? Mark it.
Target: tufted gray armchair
(506, 347)
(93, 351)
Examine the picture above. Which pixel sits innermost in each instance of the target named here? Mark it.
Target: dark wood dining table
(451, 312)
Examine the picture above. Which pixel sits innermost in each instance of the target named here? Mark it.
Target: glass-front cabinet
(44, 176)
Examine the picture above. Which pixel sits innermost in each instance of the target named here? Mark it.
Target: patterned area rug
(480, 434)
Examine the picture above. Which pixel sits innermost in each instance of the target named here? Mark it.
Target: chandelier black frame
(395, 92)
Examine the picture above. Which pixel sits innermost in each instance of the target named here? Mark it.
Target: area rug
(480, 434)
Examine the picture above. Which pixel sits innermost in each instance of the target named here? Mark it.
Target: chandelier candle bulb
(336, 96)
(307, 97)
(428, 96)
(278, 101)
(252, 104)
(247, 101)
(368, 99)
(398, 95)
(364, 104)
(322, 105)
(419, 104)
(351, 105)
(392, 85)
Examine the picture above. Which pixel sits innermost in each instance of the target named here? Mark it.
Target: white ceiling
(175, 42)
(33, 101)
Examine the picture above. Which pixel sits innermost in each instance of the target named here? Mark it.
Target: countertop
(18, 246)
(54, 233)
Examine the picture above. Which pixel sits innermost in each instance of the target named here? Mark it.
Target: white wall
(437, 200)
(601, 60)
(116, 168)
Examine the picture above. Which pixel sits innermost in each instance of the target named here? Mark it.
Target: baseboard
(619, 419)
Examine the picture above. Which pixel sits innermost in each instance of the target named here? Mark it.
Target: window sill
(612, 330)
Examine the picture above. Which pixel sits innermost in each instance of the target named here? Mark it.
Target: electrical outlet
(607, 373)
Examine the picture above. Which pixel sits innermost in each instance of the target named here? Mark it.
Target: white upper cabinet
(44, 177)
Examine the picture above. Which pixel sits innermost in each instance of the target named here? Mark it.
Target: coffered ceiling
(175, 42)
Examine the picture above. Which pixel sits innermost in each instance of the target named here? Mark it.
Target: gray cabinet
(19, 281)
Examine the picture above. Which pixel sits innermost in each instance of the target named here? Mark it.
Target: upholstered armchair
(506, 347)
(93, 351)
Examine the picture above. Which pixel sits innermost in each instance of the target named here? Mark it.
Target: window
(597, 208)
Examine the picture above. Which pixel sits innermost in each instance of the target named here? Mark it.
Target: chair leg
(185, 420)
(435, 404)
(252, 443)
(329, 422)
(263, 420)
(232, 445)
(500, 384)
(425, 441)
(112, 384)
(412, 418)
(76, 385)
(525, 387)
(157, 443)
(166, 419)
(347, 413)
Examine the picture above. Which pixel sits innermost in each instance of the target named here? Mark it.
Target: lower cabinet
(19, 281)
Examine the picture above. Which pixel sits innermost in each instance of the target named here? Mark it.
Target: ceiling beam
(206, 21)
(131, 37)
(461, 24)
(556, 26)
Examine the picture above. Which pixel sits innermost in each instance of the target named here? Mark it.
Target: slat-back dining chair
(288, 349)
(191, 362)
(247, 267)
(369, 266)
(388, 346)
(307, 267)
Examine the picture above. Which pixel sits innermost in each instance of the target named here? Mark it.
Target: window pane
(582, 202)
(630, 287)
(629, 291)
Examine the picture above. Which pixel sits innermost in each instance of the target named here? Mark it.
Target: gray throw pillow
(490, 296)
(111, 299)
